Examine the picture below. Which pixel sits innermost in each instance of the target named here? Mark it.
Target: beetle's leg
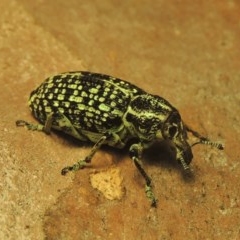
(37, 127)
(82, 163)
(203, 140)
(61, 122)
(135, 154)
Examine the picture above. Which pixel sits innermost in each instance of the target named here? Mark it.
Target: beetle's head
(173, 129)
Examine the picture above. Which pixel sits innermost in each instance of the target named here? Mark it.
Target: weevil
(105, 110)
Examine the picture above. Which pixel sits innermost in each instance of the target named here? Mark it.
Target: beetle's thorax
(146, 115)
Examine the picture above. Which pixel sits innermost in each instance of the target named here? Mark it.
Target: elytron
(106, 110)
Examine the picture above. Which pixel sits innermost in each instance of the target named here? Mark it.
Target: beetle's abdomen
(91, 102)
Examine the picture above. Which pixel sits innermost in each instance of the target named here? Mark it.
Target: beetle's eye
(172, 131)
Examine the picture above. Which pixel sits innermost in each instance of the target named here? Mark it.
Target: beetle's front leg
(135, 154)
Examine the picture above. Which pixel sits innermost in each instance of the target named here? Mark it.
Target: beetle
(105, 110)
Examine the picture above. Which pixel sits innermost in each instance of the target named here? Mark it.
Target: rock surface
(185, 51)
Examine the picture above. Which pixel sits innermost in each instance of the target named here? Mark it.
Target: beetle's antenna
(184, 164)
(205, 141)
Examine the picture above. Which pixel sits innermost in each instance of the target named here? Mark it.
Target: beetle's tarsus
(77, 166)
(150, 195)
(29, 126)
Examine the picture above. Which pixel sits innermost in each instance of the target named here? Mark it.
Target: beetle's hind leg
(37, 127)
(203, 140)
(57, 121)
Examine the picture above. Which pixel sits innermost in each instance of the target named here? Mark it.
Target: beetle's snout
(184, 153)
(187, 155)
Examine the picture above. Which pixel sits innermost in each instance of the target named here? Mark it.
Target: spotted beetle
(106, 110)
